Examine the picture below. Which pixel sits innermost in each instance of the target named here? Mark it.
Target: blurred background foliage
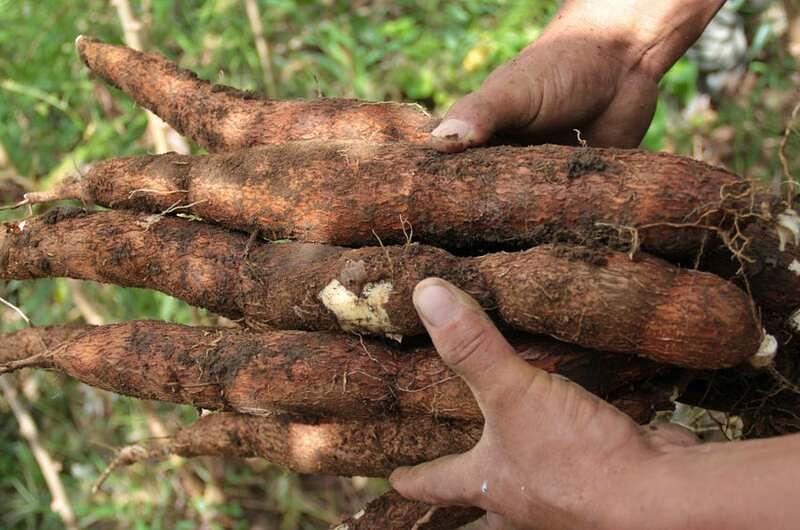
(54, 119)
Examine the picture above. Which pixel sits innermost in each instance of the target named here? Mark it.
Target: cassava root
(372, 448)
(305, 373)
(221, 118)
(365, 447)
(356, 194)
(596, 298)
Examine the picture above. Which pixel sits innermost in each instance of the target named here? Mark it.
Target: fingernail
(453, 130)
(436, 303)
(397, 476)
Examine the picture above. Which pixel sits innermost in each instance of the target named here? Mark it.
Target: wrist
(648, 36)
(651, 491)
(670, 489)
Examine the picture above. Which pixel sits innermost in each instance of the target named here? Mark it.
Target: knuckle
(532, 387)
(467, 346)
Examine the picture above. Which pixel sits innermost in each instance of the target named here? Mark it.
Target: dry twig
(158, 131)
(49, 467)
(262, 47)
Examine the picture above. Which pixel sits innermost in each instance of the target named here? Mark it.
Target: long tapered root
(324, 374)
(353, 193)
(128, 456)
(221, 118)
(370, 448)
(592, 297)
(42, 360)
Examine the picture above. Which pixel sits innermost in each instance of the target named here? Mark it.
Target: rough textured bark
(355, 194)
(323, 374)
(595, 298)
(221, 118)
(372, 448)
(390, 511)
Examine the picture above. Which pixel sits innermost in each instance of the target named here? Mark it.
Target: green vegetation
(55, 119)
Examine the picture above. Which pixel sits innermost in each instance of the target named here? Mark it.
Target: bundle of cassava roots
(632, 273)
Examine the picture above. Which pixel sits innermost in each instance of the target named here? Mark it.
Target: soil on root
(585, 160)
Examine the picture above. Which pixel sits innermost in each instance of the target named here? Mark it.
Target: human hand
(595, 68)
(552, 87)
(551, 455)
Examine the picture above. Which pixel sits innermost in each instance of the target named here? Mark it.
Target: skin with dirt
(318, 374)
(357, 194)
(221, 118)
(594, 297)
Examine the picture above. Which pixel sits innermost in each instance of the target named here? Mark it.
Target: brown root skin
(371, 448)
(390, 511)
(595, 298)
(773, 276)
(677, 316)
(221, 118)
(353, 194)
(320, 374)
(29, 342)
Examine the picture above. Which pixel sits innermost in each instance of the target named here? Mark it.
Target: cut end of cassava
(788, 228)
(794, 321)
(766, 353)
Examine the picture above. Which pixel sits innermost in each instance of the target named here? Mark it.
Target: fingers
(468, 123)
(471, 345)
(448, 480)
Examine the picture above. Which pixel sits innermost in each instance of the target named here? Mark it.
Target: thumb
(506, 101)
(471, 345)
(469, 122)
